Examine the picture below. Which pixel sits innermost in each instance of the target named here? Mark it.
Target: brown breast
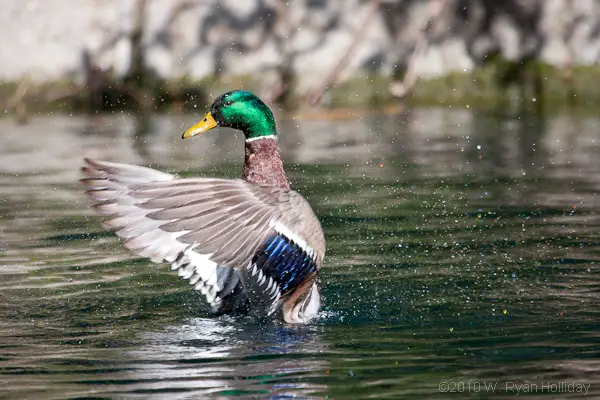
(263, 165)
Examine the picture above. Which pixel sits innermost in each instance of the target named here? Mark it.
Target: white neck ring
(274, 137)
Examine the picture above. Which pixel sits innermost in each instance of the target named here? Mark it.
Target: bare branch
(315, 95)
(402, 89)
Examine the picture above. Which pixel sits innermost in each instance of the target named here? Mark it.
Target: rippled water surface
(462, 252)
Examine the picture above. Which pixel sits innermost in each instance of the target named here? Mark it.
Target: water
(462, 257)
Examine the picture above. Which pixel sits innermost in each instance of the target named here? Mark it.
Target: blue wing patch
(284, 261)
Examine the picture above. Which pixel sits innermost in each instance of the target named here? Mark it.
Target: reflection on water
(461, 247)
(228, 357)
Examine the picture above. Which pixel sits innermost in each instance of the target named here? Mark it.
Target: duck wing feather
(210, 230)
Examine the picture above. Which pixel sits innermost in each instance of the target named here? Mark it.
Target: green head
(237, 109)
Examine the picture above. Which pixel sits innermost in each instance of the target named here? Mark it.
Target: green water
(462, 257)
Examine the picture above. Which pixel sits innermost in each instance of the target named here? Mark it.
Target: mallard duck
(249, 244)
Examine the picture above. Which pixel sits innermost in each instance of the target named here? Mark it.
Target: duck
(251, 245)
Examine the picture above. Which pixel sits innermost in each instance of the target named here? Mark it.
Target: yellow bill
(206, 124)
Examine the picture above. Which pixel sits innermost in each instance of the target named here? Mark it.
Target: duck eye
(228, 103)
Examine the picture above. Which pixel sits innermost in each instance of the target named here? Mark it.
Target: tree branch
(402, 89)
(315, 95)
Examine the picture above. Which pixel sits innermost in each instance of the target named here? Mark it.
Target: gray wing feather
(205, 227)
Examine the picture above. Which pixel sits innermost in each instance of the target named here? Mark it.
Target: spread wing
(213, 231)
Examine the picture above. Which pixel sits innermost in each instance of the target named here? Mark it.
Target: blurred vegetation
(525, 84)
(528, 85)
